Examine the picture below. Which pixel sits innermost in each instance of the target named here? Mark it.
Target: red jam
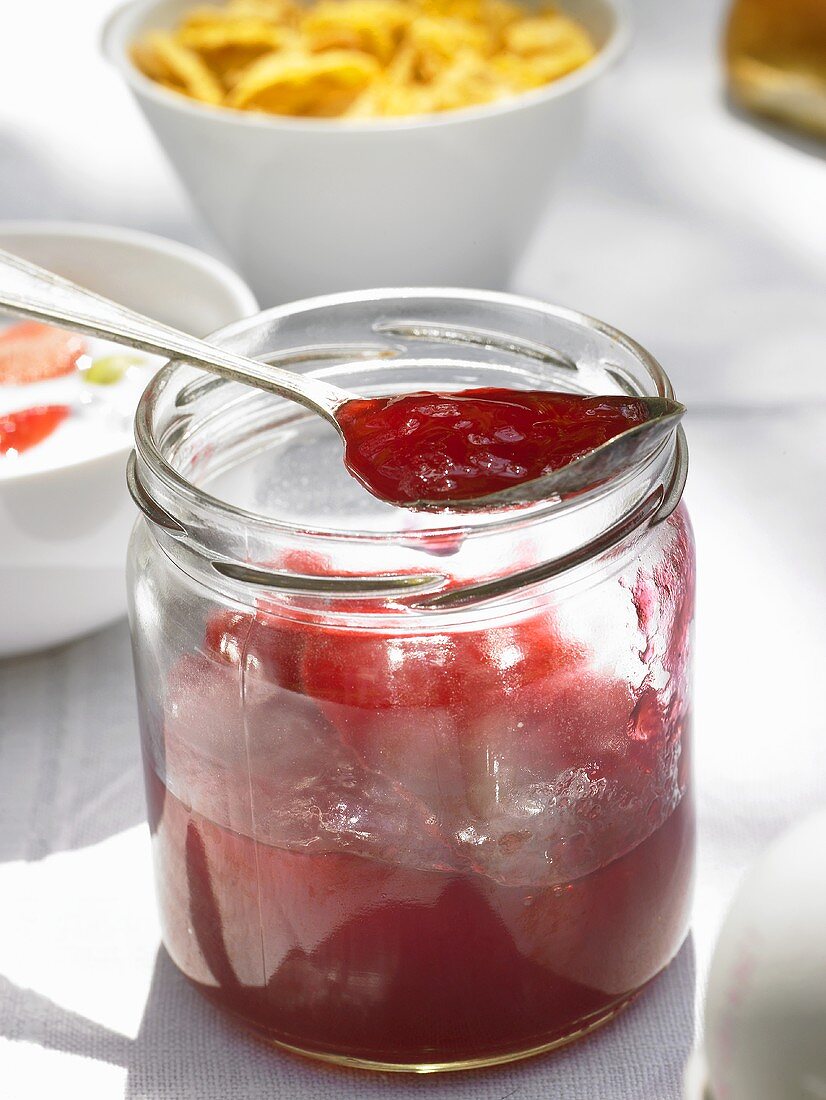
(415, 849)
(24, 429)
(457, 446)
(335, 953)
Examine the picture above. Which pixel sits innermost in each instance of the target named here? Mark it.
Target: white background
(700, 234)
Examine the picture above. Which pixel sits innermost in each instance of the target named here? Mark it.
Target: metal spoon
(31, 291)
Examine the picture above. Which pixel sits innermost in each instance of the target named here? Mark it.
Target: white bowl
(310, 206)
(64, 531)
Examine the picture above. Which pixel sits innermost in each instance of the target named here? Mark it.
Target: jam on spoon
(458, 446)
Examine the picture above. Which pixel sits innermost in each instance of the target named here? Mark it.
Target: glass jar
(776, 60)
(418, 785)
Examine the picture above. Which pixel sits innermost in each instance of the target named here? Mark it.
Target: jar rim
(151, 456)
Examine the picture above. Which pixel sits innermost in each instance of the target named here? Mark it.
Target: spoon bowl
(602, 463)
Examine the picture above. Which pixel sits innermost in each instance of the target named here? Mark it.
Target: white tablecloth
(684, 224)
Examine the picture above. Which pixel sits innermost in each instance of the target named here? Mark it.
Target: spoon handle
(32, 291)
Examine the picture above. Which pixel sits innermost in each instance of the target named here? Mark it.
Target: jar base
(584, 1028)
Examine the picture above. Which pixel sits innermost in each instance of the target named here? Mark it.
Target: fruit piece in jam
(27, 427)
(457, 446)
(503, 733)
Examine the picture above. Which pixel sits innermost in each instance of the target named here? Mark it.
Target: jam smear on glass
(458, 446)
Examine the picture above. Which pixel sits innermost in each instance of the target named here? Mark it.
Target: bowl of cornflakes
(342, 144)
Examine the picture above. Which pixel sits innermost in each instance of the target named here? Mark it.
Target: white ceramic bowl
(309, 206)
(64, 531)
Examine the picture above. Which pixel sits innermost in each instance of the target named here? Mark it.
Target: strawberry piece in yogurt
(31, 352)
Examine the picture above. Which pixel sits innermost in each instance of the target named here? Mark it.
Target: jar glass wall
(419, 789)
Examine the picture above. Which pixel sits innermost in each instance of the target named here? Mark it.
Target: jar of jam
(775, 54)
(419, 784)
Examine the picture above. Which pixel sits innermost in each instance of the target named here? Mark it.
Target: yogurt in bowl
(64, 398)
(65, 513)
